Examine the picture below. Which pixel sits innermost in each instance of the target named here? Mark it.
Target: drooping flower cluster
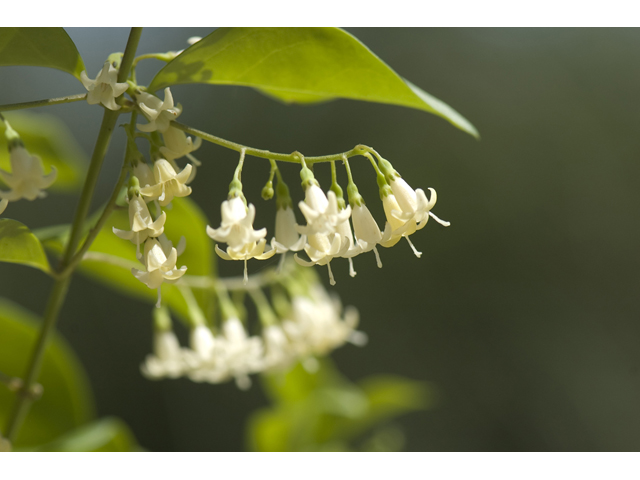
(27, 178)
(158, 184)
(308, 323)
(333, 229)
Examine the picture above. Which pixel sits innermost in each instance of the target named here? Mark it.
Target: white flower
(322, 213)
(366, 230)
(404, 218)
(317, 327)
(104, 88)
(141, 223)
(144, 174)
(27, 178)
(177, 144)
(160, 265)
(415, 202)
(287, 237)
(321, 249)
(167, 183)
(202, 342)
(159, 113)
(3, 205)
(277, 351)
(236, 230)
(168, 359)
(235, 355)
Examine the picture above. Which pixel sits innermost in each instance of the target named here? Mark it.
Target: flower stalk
(61, 286)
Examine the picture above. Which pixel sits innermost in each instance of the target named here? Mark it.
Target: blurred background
(522, 317)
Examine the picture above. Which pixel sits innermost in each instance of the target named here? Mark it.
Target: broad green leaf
(40, 47)
(104, 435)
(50, 139)
(19, 245)
(299, 65)
(110, 259)
(324, 411)
(66, 403)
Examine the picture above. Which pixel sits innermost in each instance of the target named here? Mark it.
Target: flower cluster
(158, 184)
(26, 179)
(333, 229)
(308, 323)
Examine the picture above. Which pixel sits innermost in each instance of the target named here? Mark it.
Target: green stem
(43, 103)
(294, 157)
(61, 286)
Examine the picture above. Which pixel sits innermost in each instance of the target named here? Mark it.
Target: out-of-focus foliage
(66, 403)
(323, 411)
(110, 258)
(104, 435)
(19, 245)
(299, 65)
(47, 137)
(40, 47)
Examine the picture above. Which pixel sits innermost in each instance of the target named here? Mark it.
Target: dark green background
(523, 315)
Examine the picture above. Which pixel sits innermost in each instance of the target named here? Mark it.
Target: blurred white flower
(104, 88)
(168, 359)
(3, 205)
(177, 144)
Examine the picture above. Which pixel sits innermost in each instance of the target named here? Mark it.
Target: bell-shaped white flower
(144, 174)
(159, 113)
(402, 223)
(366, 230)
(321, 212)
(104, 88)
(168, 359)
(160, 266)
(177, 144)
(27, 178)
(168, 183)
(415, 202)
(236, 230)
(321, 249)
(287, 237)
(141, 223)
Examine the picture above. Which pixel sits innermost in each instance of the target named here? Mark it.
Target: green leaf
(66, 403)
(50, 139)
(40, 47)
(110, 258)
(104, 435)
(299, 65)
(19, 245)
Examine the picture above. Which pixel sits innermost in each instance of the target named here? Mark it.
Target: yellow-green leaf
(19, 245)
(105, 435)
(50, 139)
(66, 402)
(40, 47)
(299, 65)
